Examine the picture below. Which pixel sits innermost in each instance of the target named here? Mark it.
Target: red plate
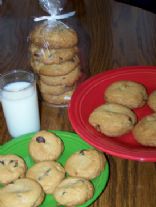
(90, 95)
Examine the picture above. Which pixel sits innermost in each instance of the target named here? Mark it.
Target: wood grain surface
(121, 35)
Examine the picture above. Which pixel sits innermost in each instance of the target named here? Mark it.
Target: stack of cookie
(54, 57)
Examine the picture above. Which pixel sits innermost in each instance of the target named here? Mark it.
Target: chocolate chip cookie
(22, 192)
(127, 93)
(12, 167)
(85, 163)
(48, 173)
(145, 131)
(59, 36)
(112, 119)
(45, 146)
(52, 56)
(67, 80)
(73, 191)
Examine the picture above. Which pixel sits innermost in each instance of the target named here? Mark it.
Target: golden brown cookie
(48, 174)
(85, 163)
(12, 167)
(59, 99)
(152, 100)
(73, 191)
(21, 193)
(127, 93)
(59, 36)
(50, 56)
(45, 146)
(112, 119)
(34, 65)
(145, 130)
(53, 90)
(55, 69)
(68, 80)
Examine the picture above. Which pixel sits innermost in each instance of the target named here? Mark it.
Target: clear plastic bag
(59, 53)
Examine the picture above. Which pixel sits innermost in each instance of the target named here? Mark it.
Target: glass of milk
(18, 95)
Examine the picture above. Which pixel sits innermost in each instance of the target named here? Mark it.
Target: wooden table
(121, 35)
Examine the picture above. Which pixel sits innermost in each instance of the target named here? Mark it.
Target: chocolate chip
(73, 59)
(40, 140)
(40, 178)
(130, 119)
(60, 59)
(2, 162)
(63, 193)
(36, 55)
(82, 152)
(50, 56)
(15, 162)
(98, 127)
(12, 182)
(47, 172)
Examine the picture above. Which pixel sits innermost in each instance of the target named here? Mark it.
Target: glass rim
(16, 71)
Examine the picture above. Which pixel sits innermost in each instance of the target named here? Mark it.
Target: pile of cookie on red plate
(55, 58)
(118, 115)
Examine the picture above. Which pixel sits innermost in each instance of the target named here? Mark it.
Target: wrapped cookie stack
(55, 58)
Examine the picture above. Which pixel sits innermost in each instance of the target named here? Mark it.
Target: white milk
(20, 106)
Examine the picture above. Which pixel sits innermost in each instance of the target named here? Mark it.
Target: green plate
(72, 143)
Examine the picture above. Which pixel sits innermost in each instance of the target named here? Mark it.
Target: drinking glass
(18, 95)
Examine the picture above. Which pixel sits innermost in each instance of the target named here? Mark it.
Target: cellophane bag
(59, 53)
